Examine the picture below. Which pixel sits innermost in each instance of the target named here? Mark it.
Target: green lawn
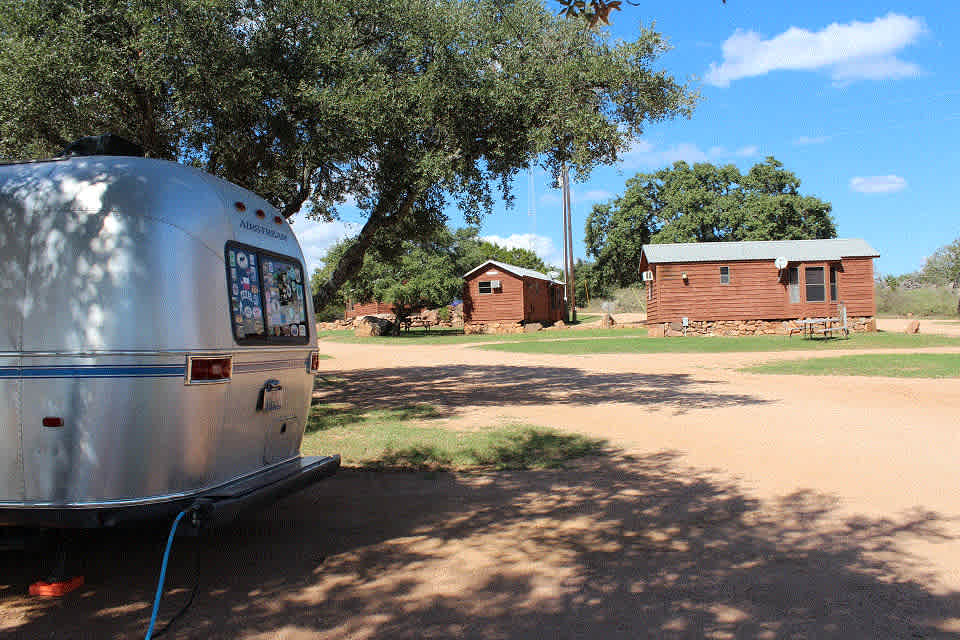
(900, 365)
(400, 439)
(447, 336)
(625, 344)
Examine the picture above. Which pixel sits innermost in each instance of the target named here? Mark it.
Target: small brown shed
(499, 292)
(776, 280)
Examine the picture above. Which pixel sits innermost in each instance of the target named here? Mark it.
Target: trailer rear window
(267, 297)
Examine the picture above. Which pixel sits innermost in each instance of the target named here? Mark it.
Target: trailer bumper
(220, 504)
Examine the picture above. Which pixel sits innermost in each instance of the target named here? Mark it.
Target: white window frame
(489, 284)
(722, 274)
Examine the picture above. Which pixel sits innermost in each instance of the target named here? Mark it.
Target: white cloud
(644, 155)
(316, 237)
(540, 245)
(808, 140)
(852, 51)
(878, 184)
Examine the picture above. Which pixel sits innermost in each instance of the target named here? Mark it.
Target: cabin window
(833, 284)
(793, 284)
(724, 275)
(267, 297)
(813, 276)
(485, 286)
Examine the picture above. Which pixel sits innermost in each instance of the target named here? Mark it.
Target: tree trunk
(382, 217)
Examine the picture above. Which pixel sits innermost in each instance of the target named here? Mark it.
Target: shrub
(921, 302)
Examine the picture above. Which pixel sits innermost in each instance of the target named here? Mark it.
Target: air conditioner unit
(648, 276)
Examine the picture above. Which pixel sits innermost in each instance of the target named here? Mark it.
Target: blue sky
(860, 100)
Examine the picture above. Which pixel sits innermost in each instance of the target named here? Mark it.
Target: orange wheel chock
(56, 589)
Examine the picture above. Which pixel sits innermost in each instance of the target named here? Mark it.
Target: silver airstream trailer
(157, 344)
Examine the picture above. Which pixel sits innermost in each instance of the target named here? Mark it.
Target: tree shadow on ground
(326, 416)
(620, 547)
(519, 448)
(452, 387)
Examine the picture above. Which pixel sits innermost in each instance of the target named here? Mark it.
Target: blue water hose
(163, 572)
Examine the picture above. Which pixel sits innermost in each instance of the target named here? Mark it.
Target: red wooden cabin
(776, 280)
(499, 292)
(357, 309)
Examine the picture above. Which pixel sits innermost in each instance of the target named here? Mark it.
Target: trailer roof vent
(106, 144)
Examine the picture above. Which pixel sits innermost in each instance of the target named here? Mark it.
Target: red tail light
(314, 361)
(209, 369)
(51, 421)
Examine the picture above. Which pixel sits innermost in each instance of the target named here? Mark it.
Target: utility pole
(568, 275)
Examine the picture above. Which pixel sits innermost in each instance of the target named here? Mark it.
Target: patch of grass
(879, 340)
(436, 336)
(396, 439)
(900, 365)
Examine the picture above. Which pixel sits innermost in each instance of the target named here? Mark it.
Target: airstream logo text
(256, 228)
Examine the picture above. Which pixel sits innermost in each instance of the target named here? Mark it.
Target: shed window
(724, 275)
(813, 277)
(485, 286)
(793, 284)
(267, 296)
(833, 284)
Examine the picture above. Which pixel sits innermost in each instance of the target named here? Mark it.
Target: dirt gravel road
(730, 505)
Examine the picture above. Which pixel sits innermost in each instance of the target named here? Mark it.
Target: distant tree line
(419, 273)
(941, 270)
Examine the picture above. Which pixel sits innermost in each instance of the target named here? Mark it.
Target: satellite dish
(780, 263)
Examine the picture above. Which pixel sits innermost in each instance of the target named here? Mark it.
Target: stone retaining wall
(500, 328)
(746, 327)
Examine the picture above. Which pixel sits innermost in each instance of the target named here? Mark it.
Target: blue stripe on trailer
(95, 371)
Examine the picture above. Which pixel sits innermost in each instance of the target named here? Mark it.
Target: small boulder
(655, 331)
(912, 327)
(372, 326)
(532, 327)
(559, 324)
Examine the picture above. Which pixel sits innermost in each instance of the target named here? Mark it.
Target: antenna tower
(532, 203)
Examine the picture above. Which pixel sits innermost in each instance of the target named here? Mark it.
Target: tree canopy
(405, 106)
(943, 266)
(701, 203)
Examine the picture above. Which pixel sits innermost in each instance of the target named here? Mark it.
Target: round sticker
(247, 312)
(242, 260)
(294, 330)
(303, 330)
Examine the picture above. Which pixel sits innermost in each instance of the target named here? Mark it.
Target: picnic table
(823, 326)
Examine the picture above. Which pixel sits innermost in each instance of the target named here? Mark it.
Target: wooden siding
(755, 291)
(357, 309)
(855, 286)
(538, 306)
(502, 305)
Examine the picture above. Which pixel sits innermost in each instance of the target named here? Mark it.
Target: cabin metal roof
(515, 270)
(792, 250)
